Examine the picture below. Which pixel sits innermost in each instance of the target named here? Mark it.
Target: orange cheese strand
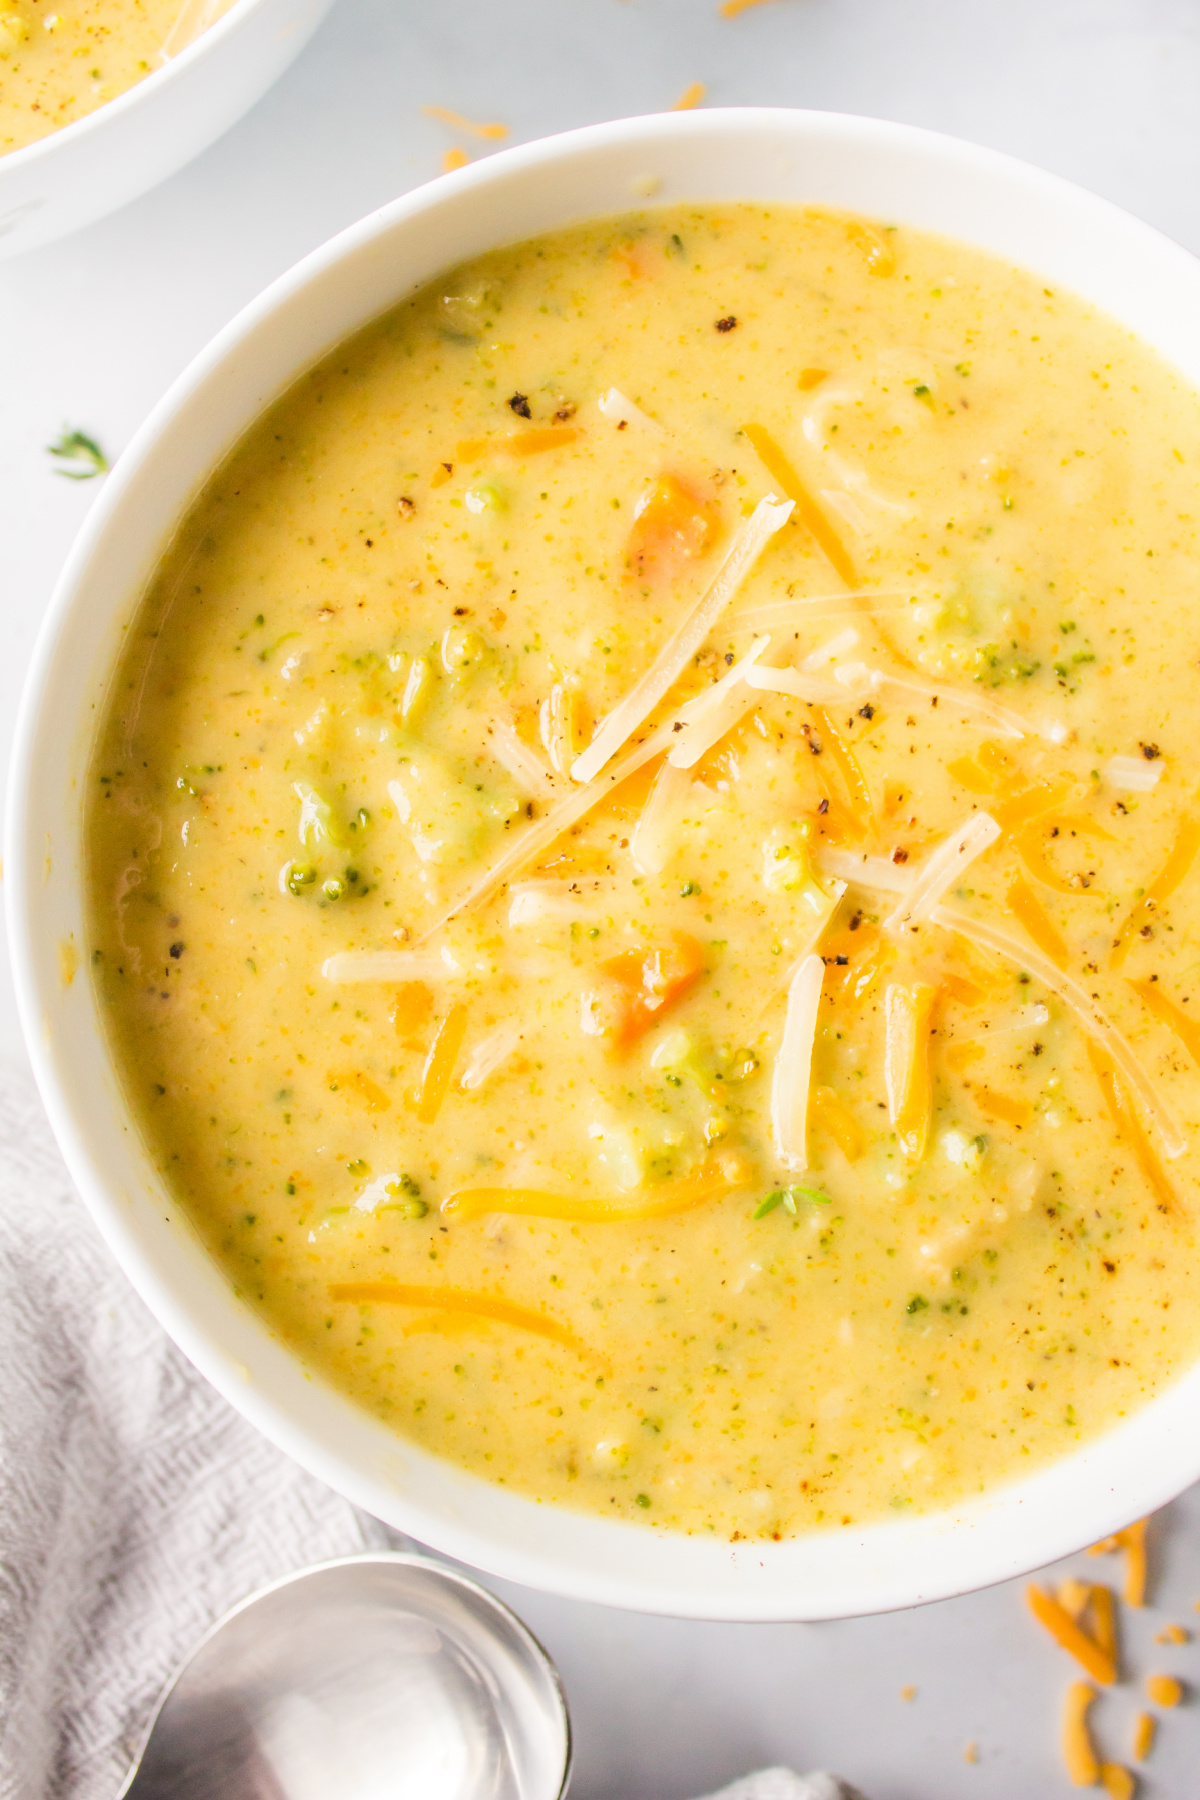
(458, 123)
(690, 97)
(411, 1007)
(1183, 855)
(731, 8)
(1117, 1782)
(439, 1064)
(1132, 1540)
(907, 1013)
(848, 766)
(518, 443)
(807, 509)
(1025, 907)
(355, 1082)
(675, 1197)
(455, 1300)
(1078, 1753)
(1101, 1666)
(1030, 803)
(1003, 1107)
(453, 158)
(1143, 1736)
(835, 1117)
(1128, 1126)
(1186, 1028)
(1104, 1618)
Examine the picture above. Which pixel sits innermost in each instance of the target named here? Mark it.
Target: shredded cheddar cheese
(453, 158)
(458, 123)
(1099, 1664)
(1078, 1753)
(454, 1300)
(1132, 1540)
(691, 96)
(1144, 1728)
(1164, 1690)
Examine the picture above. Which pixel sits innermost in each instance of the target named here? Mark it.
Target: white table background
(1106, 92)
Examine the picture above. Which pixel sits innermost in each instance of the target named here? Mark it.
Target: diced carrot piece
(878, 254)
(672, 525)
(411, 1007)
(643, 984)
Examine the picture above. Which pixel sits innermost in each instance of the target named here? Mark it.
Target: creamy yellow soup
(61, 59)
(743, 1109)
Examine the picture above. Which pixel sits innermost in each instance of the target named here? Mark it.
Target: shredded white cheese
(793, 1065)
(1094, 1021)
(658, 822)
(522, 763)
(875, 872)
(488, 1055)
(748, 544)
(622, 411)
(790, 615)
(832, 650)
(711, 714)
(815, 689)
(941, 870)
(1132, 774)
(543, 902)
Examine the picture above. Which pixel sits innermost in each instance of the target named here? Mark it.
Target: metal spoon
(381, 1677)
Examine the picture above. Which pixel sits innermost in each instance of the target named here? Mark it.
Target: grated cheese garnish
(748, 544)
(940, 871)
(793, 1065)
(522, 763)
(616, 407)
(1094, 1021)
(489, 1054)
(346, 966)
(458, 122)
(659, 820)
(1078, 1752)
(692, 96)
(454, 158)
(1132, 774)
(711, 714)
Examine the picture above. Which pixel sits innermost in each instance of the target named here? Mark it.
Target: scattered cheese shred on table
(971, 1752)
(1100, 1664)
(1164, 1690)
(1144, 1727)
(1173, 1634)
(731, 8)
(1082, 1763)
(1117, 1782)
(459, 123)
(1133, 1542)
(454, 158)
(908, 1693)
(691, 96)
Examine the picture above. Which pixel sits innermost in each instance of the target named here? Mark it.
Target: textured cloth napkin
(135, 1506)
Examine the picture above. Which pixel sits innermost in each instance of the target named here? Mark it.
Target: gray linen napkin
(135, 1506)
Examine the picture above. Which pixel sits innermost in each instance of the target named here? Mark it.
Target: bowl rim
(208, 43)
(1136, 1475)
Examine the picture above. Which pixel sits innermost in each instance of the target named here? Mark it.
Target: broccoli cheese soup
(641, 866)
(61, 59)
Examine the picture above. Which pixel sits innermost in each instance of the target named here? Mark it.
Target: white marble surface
(91, 332)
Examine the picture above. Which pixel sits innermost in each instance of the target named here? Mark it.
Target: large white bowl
(87, 169)
(890, 171)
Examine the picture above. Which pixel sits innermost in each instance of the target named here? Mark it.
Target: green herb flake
(81, 455)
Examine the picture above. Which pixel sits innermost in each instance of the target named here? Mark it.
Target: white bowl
(87, 169)
(891, 171)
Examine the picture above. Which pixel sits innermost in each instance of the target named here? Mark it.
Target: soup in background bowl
(102, 99)
(633, 863)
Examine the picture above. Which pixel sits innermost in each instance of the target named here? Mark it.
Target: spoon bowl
(382, 1676)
